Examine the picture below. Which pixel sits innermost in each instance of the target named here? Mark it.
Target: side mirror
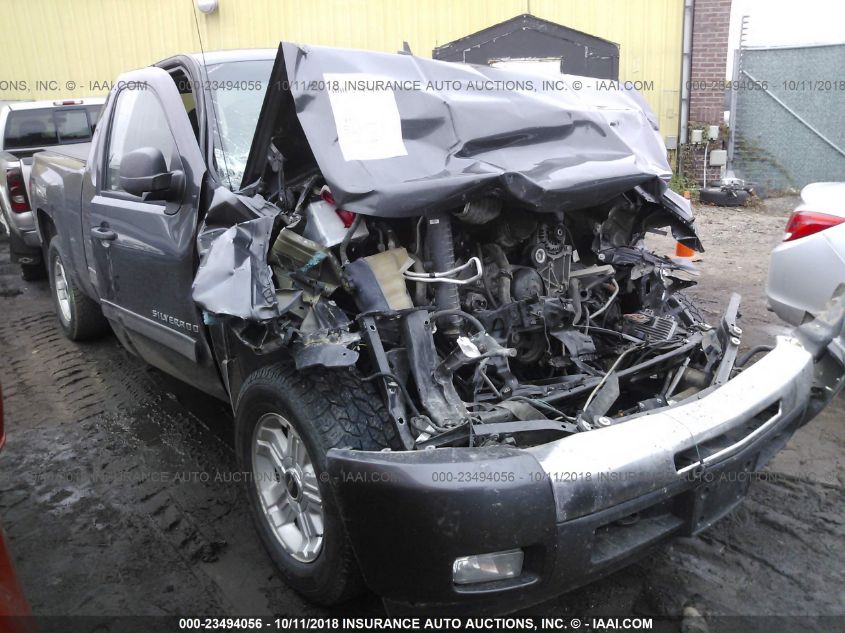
(144, 171)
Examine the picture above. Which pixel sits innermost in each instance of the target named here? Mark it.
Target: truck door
(143, 250)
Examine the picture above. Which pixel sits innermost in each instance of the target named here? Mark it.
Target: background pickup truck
(26, 128)
(458, 374)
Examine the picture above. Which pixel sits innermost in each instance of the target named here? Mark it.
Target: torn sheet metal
(233, 277)
(550, 144)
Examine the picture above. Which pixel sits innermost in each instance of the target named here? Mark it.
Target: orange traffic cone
(680, 249)
(683, 251)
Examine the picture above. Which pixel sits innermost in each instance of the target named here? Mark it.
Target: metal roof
(210, 58)
(54, 103)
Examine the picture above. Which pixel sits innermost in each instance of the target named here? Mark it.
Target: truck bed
(55, 183)
(77, 151)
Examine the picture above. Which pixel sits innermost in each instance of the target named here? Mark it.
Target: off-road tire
(86, 319)
(33, 272)
(328, 409)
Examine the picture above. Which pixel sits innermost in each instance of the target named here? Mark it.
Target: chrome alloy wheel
(286, 482)
(61, 290)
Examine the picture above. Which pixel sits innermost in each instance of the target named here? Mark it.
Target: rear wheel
(28, 257)
(79, 316)
(286, 421)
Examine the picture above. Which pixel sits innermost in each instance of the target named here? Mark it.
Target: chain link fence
(788, 116)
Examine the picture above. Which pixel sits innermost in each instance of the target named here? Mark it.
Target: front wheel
(285, 423)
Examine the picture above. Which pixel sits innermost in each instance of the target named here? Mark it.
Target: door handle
(103, 234)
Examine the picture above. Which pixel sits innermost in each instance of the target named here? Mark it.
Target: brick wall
(693, 161)
(711, 20)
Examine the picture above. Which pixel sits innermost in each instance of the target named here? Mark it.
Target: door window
(138, 121)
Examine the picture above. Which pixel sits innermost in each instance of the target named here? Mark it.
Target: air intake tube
(441, 248)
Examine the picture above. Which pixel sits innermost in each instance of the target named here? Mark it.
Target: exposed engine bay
(490, 323)
(476, 254)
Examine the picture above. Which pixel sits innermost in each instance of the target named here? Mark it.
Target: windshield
(237, 91)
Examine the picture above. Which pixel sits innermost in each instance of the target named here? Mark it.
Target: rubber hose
(458, 313)
(504, 266)
(742, 360)
(442, 249)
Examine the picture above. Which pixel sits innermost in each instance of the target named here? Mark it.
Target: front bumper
(582, 506)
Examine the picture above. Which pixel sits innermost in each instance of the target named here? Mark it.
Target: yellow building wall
(61, 48)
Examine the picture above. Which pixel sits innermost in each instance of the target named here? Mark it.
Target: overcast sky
(787, 22)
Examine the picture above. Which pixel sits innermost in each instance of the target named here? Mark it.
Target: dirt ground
(116, 498)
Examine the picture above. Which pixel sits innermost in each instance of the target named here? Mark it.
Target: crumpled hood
(395, 135)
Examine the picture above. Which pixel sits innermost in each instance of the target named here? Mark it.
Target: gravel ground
(116, 495)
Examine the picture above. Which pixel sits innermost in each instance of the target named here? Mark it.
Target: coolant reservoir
(378, 280)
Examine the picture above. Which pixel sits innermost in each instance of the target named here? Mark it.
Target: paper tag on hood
(365, 115)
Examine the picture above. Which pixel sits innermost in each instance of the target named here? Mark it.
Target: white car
(808, 268)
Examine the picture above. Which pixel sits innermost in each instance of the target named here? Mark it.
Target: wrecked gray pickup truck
(458, 376)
